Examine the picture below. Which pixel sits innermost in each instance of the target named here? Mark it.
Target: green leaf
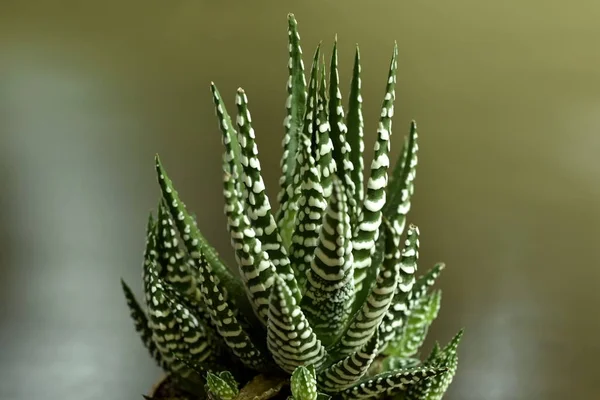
(390, 383)
(369, 316)
(375, 198)
(295, 107)
(350, 369)
(258, 207)
(341, 148)
(355, 126)
(141, 325)
(221, 312)
(329, 294)
(304, 383)
(394, 363)
(230, 140)
(193, 239)
(394, 320)
(310, 215)
(324, 149)
(290, 338)
(435, 388)
(162, 321)
(221, 388)
(174, 269)
(421, 315)
(256, 269)
(401, 187)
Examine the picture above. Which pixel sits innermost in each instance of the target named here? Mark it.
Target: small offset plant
(327, 302)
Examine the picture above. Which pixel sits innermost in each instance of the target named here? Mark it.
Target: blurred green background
(507, 97)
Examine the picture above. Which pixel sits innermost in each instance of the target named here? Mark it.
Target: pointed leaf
(401, 187)
(165, 331)
(330, 289)
(174, 269)
(390, 383)
(324, 149)
(290, 338)
(341, 148)
(366, 321)
(304, 383)
(355, 126)
(312, 206)
(256, 269)
(295, 106)
(414, 331)
(193, 239)
(435, 388)
(394, 320)
(350, 369)
(220, 388)
(141, 325)
(375, 198)
(258, 207)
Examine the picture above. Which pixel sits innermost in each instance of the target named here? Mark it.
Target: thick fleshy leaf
(295, 106)
(394, 320)
(329, 294)
(421, 315)
(175, 269)
(290, 338)
(221, 312)
(350, 369)
(193, 239)
(390, 383)
(232, 154)
(436, 387)
(324, 146)
(401, 186)
(304, 384)
(375, 198)
(255, 267)
(366, 321)
(355, 125)
(220, 388)
(258, 207)
(312, 205)
(141, 325)
(161, 320)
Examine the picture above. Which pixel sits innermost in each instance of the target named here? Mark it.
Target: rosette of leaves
(326, 290)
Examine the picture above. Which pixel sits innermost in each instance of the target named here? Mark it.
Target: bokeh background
(507, 96)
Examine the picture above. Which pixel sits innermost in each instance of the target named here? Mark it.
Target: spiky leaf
(390, 382)
(414, 332)
(290, 338)
(397, 314)
(193, 239)
(258, 207)
(222, 389)
(434, 388)
(366, 321)
(312, 205)
(304, 383)
(401, 187)
(221, 312)
(375, 198)
(295, 106)
(330, 287)
(141, 325)
(355, 126)
(255, 267)
(350, 369)
(324, 146)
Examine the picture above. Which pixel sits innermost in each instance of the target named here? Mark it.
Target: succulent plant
(327, 297)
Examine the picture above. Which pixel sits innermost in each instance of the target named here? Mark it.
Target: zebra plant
(327, 302)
